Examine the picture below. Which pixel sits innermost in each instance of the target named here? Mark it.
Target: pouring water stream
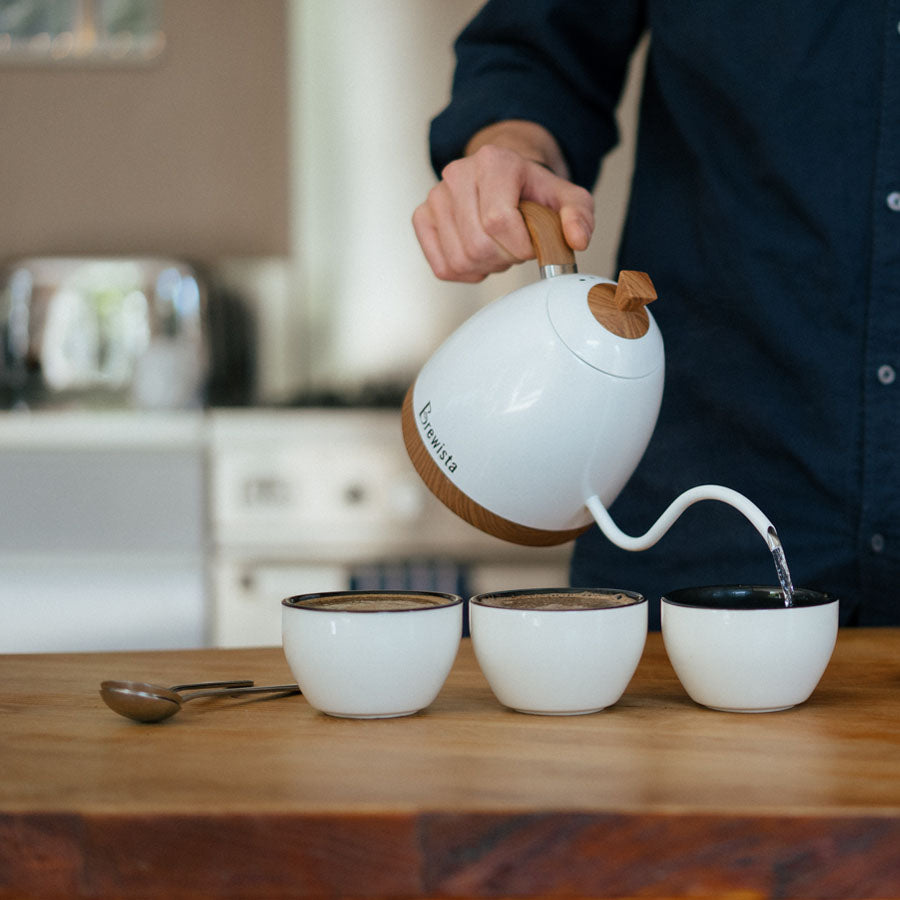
(781, 567)
(703, 492)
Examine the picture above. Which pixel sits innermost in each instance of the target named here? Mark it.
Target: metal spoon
(145, 702)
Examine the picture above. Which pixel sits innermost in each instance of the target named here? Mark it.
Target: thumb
(578, 222)
(577, 228)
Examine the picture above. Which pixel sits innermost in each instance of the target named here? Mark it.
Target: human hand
(470, 226)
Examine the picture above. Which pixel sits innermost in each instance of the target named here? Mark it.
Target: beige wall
(188, 155)
(372, 308)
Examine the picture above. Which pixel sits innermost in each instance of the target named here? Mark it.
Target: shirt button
(876, 542)
(886, 374)
(893, 201)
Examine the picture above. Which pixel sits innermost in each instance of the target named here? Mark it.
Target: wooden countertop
(654, 797)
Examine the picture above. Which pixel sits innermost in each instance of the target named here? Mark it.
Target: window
(80, 31)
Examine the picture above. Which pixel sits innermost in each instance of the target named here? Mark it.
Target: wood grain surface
(654, 797)
(545, 228)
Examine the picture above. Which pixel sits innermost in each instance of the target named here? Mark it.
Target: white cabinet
(102, 532)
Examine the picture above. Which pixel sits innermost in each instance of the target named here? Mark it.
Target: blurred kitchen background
(212, 302)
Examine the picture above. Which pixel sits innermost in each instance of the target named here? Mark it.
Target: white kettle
(530, 418)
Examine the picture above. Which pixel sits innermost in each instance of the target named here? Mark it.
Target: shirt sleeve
(560, 63)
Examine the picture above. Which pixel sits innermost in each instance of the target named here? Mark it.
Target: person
(765, 205)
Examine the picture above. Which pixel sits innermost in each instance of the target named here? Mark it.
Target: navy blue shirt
(766, 207)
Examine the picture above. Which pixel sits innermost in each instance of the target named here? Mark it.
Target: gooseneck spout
(704, 492)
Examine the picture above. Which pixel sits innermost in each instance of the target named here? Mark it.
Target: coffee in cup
(380, 601)
(557, 599)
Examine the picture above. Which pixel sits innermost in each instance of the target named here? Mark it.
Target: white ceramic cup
(371, 654)
(739, 648)
(556, 651)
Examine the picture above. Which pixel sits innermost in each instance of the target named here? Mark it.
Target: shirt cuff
(583, 135)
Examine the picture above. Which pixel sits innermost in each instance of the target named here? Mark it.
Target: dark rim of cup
(744, 597)
(301, 601)
(484, 599)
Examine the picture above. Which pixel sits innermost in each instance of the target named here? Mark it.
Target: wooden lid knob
(619, 308)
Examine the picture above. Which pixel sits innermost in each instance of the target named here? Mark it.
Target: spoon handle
(209, 684)
(235, 691)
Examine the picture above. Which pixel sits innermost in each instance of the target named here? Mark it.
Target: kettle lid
(605, 324)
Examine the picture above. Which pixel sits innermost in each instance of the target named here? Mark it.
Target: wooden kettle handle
(554, 255)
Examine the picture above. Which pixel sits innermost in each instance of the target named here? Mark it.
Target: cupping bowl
(353, 657)
(563, 651)
(739, 648)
